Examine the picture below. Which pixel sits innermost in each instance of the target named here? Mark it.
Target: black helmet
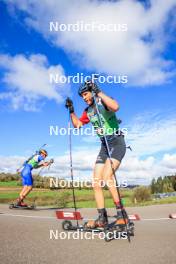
(43, 151)
(85, 87)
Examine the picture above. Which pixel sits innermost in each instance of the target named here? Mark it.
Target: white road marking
(29, 216)
(52, 217)
(155, 219)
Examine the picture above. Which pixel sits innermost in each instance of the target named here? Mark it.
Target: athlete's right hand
(69, 105)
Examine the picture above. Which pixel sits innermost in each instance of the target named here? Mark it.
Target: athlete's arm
(43, 164)
(75, 121)
(111, 104)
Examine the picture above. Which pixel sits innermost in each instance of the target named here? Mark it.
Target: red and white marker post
(172, 216)
(68, 215)
(134, 217)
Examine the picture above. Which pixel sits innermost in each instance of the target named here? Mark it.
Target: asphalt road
(25, 238)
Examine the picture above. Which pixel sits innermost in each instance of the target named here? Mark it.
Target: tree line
(163, 185)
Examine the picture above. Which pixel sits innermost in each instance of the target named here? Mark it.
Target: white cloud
(143, 171)
(169, 161)
(133, 169)
(83, 162)
(27, 80)
(137, 52)
(150, 133)
(10, 163)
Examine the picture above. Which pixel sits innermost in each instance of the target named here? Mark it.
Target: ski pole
(51, 162)
(71, 169)
(110, 158)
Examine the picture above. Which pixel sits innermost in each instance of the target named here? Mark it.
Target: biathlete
(35, 162)
(103, 167)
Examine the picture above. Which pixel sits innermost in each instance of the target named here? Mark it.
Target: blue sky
(147, 103)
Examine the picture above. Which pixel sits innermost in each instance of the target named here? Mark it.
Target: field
(9, 191)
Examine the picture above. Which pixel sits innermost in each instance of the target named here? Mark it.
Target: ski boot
(101, 221)
(122, 217)
(20, 202)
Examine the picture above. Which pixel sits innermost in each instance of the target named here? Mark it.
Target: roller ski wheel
(107, 236)
(67, 225)
(131, 228)
(11, 206)
(33, 206)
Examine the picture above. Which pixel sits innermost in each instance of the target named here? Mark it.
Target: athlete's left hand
(95, 88)
(69, 105)
(46, 164)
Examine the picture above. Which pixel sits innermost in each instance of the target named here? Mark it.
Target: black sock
(102, 212)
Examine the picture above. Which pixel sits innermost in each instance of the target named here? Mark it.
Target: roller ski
(21, 205)
(119, 228)
(114, 230)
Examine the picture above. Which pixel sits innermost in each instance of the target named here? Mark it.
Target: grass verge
(84, 198)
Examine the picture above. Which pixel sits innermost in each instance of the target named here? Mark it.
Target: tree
(153, 186)
(141, 194)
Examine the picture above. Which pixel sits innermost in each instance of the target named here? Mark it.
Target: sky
(30, 103)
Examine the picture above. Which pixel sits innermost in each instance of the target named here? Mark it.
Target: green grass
(10, 184)
(166, 200)
(84, 197)
(46, 197)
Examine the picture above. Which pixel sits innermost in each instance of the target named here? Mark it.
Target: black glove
(69, 105)
(51, 161)
(94, 88)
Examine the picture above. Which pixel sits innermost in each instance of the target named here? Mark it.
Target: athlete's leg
(26, 190)
(102, 219)
(117, 149)
(27, 183)
(108, 173)
(23, 191)
(97, 179)
(108, 176)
